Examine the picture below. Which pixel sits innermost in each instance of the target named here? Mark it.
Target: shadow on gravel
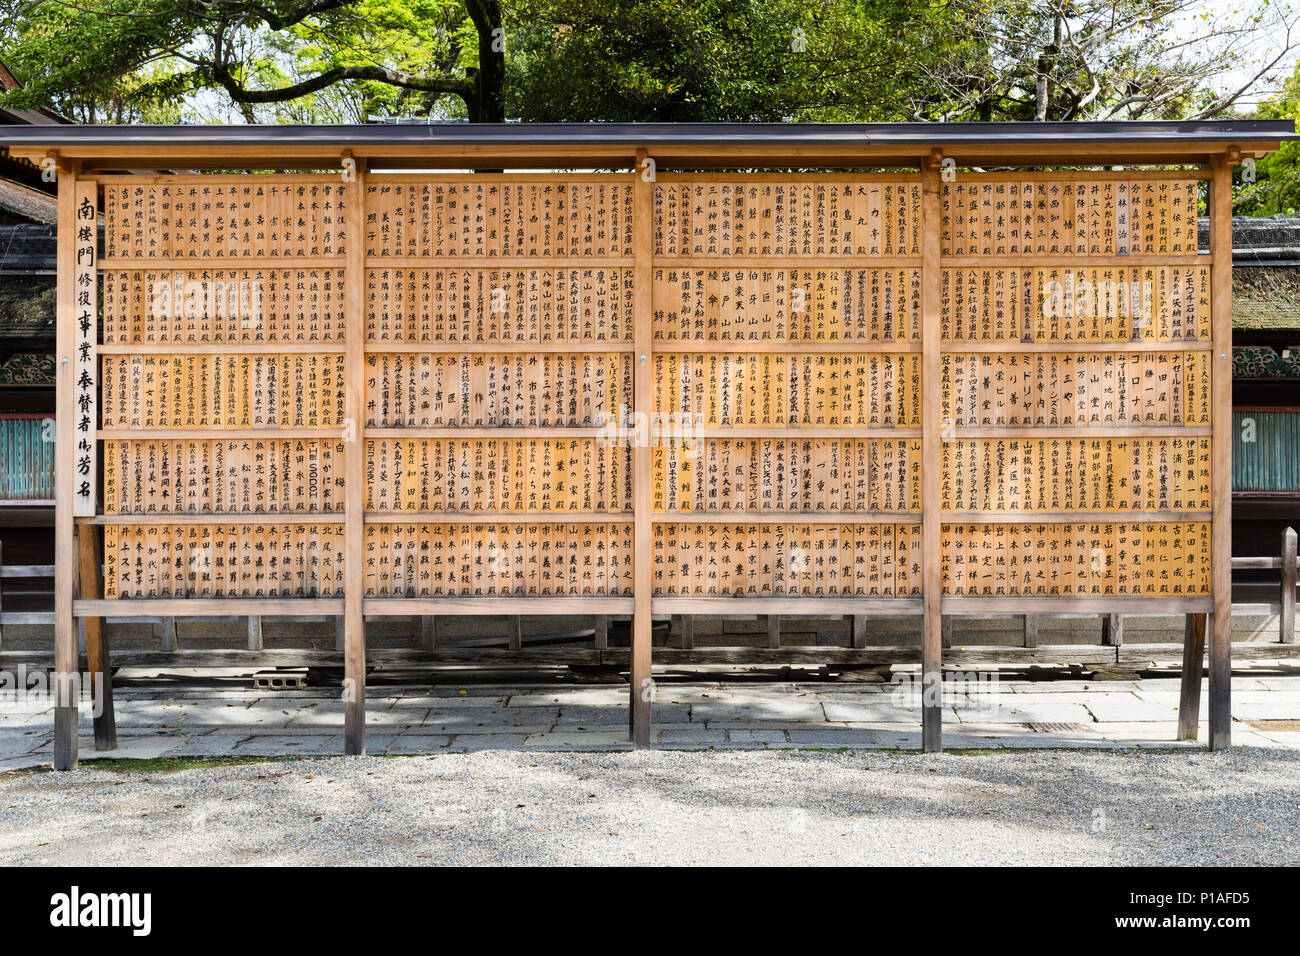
(1070, 807)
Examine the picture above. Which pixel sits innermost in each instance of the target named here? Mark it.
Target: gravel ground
(658, 808)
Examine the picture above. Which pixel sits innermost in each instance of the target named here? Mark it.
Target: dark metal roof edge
(872, 134)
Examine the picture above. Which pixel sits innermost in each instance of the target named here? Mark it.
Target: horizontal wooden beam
(489, 605)
(1093, 605)
(1076, 517)
(27, 571)
(205, 607)
(784, 517)
(785, 605)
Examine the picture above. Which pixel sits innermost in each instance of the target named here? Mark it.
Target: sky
(1190, 25)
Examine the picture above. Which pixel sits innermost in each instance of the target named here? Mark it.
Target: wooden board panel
(786, 320)
(1067, 303)
(85, 364)
(494, 390)
(215, 560)
(524, 559)
(204, 305)
(528, 476)
(776, 560)
(1051, 216)
(476, 306)
(193, 391)
(787, 305)
(233, 476)
(762, 389)
(466, 219)
(1076, 475)
(1150, 559)
(803, 216)
(788, 475)
(1076, 389)
(225, 217)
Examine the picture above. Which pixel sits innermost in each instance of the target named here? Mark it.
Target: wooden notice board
(497, 317)
(787, 339)
(617, 394)
(1076, 390)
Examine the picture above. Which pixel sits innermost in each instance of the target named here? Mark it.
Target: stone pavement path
(179, 722)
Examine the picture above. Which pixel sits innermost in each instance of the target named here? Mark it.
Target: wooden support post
(354, 317)
(773, 630)
(1112, 630)
(1221, 453)
(97, 664)
(1189, 699)
(601, 632)
(641, 683)
(1030, 624)
(945, 631)
(515, 630)
(688, 631)
(255, 633)
(429, 632)
(169, 634)
(859, 634)
(931, 454)
(1286, 620)
(65, 561)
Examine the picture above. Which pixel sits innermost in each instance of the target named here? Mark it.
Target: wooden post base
(65, 738)
(1189, 698)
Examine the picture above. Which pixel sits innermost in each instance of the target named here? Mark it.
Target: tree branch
(379, 74)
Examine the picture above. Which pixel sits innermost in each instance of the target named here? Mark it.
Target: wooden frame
(372, 245)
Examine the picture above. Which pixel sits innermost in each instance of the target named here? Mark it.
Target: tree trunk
(488, 105)
(1042, 91)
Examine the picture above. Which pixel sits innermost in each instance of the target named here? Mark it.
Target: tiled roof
(27, 307)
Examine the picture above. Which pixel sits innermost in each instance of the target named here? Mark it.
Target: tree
(1105, 59)
(739, 60)
(1275, 190)
(402, 55)
(486, 60)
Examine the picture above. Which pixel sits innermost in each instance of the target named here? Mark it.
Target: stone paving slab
(1024, 711)
(585, 740)
(1285, 738)
(15, 743)
(770, 708)
(883, 709)
(416, 743)
(301, 745)
(1070, 686)
(695, 735)
(711, 714)
(590, 714)
(1130, 707)
(1264, 710)
(462, 742)
(24, 762)
(572, 697)
(449, 703)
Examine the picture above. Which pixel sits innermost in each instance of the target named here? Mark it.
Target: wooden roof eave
(617, 155)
